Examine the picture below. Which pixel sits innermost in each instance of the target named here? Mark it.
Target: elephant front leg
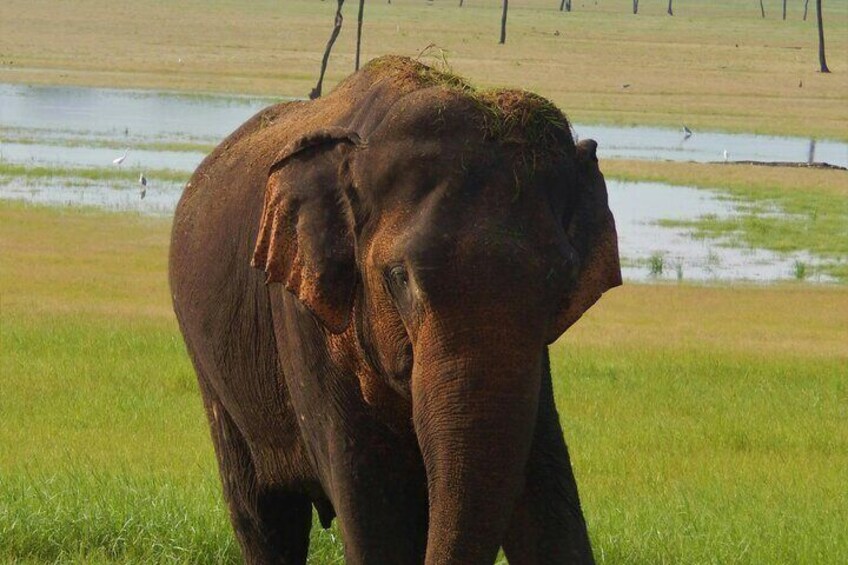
(548, 525)
(379, 498)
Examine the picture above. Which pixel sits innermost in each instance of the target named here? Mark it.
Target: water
(39, 123)
(89, 127)
(662, 144)
(637, 206)
(644, 245)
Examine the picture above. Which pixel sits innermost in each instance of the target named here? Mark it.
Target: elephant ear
(591, 231)
(305, 236)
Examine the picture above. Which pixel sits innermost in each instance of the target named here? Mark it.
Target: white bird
(142, 180)
(687, 133)
(120, 159)
(726, 154)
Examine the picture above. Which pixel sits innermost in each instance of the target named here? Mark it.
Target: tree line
(564, 6)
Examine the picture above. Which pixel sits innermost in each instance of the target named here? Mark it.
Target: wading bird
(120, 159)
(142, 180)
(687, 133)
(726, 154)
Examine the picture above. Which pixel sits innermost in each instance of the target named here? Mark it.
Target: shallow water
(663, 144)
(39, 122)
(636, 206)
(72, 127)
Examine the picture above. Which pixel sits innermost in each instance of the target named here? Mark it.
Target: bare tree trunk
(806, 5)
(784, 9)
(811, 154)
(635, 6)
(359, 32)
(460, 3)
(503, 21)
(565, 6)
(337, 27)
(670, 11)
(762, 9)
(822, 60)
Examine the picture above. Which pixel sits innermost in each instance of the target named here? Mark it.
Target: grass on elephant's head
(705, 423)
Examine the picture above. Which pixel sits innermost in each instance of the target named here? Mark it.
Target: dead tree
(784, 9)
(337, 27)
(811, 152)
(635, 6)
(822, 60)
(565, 6)
(359, 32)
(670, 11)
(762, 9)
(806, 5)
(503, 21)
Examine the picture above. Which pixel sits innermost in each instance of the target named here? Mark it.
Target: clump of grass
(799, 269)
(656, 264)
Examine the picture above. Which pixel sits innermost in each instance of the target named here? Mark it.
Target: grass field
(714, 65)
(707, 424)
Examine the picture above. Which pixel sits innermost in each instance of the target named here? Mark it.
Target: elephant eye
(398, 277)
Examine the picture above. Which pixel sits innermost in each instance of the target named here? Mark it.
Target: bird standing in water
(142, 180)
(120, 159)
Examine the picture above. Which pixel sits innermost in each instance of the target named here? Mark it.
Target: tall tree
(762, 9)
(565, 5)
(503, 21)
(359, 31)
(337, 27)
(784, 9)
(670, 11)
(635, 6)
(806, 5)
(822, 60)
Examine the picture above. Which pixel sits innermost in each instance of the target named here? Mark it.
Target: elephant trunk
(474, 412)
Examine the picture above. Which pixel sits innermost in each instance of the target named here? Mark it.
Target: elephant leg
(381, 503)
(548, 525)
(272, 525)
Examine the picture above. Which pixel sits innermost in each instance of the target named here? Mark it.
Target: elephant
(367, 285)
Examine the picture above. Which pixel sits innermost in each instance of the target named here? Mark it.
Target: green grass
(706, 424)
(38, 173)
(178, 146)
(697, 456)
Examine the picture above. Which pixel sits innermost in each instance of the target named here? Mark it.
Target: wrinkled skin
(367, 284)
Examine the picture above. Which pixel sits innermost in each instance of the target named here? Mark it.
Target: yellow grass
(783, 320)
(121, 260)
(714, 65)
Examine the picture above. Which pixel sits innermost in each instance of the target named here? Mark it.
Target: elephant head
(466, 234)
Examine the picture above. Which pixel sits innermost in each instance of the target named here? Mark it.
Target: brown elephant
(367, 284)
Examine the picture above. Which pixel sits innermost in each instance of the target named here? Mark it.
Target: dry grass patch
(714, 65)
